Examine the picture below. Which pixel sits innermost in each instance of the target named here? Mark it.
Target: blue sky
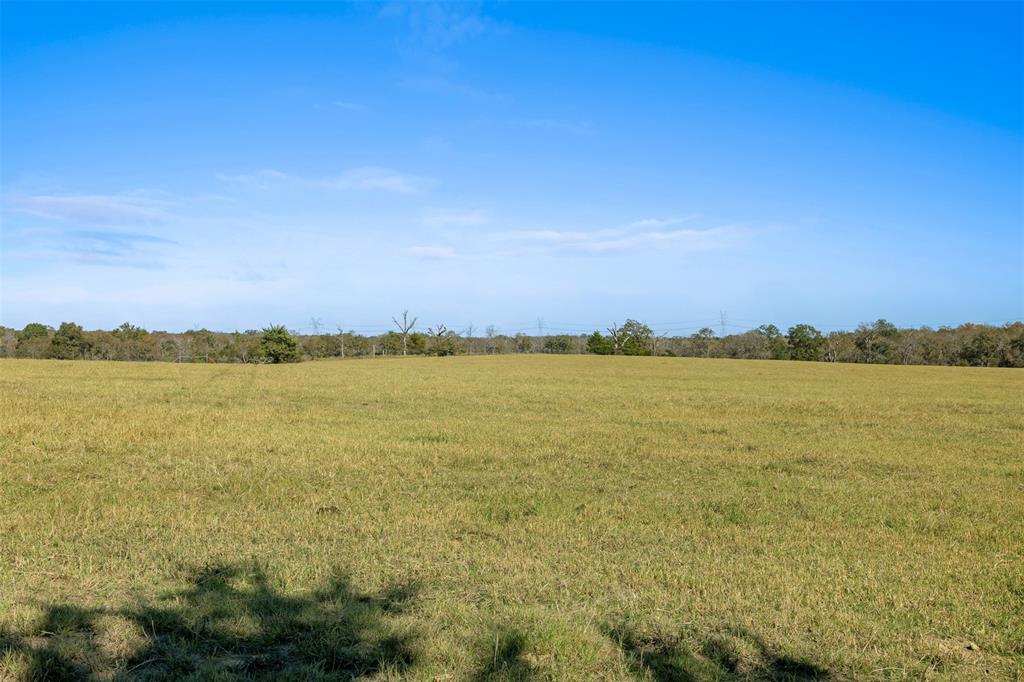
(228, 166)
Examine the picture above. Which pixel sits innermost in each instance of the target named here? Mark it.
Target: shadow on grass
(506, 661)
(731, 655)
(229, 624)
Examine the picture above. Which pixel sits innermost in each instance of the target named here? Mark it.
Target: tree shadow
(229, 624)
(734, 654)
(504, 659)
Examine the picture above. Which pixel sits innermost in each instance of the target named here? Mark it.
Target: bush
(599, 344)
(558, 344)
(278, 345)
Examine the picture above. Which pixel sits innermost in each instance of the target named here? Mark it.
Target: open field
(511, 518)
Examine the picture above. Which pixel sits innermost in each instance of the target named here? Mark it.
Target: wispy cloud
(656, 223)
(96, 209)
(640, 234)
(260, 177)
(440, 218)
(368, 178)
(686, 240)
(375, 178)
(436, 26)
(94, 247)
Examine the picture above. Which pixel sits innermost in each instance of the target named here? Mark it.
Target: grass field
(518, 517)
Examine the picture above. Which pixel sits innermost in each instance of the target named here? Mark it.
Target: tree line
(880, 342)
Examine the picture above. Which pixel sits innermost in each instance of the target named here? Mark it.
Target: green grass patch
(528, 517)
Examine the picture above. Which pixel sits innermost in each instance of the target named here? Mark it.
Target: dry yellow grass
(511, 517)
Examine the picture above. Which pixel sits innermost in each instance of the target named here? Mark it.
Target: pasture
(526, 517)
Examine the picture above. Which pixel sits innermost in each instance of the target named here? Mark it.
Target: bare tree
(655, 341)
(618, 337)
(316, 323)
(405, 326)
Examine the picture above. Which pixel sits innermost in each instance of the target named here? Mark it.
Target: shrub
(278, 345)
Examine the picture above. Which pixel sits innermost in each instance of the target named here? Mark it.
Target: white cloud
(365, 178)
(686, 240)
(104, 209)
(375, 178)
(658, 222)
(637, 235)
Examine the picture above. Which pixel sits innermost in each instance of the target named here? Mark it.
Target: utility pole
(722, 317)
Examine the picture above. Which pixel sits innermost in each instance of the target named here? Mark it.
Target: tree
(702, 340)
(202, 342)
(320, 345)
(805, 342)
(132, 341)
(777, 347)
(391, 343)
(444, 341)
(33, 341)
(877, 342)
(243, 347)
(599, 344)
(278, 345)
(417, 343)
(982, 350)
(748, 345)
(405, 326)
(558, 344)
(67, 342)
(618, 337)
(636, 338)
(33, 330)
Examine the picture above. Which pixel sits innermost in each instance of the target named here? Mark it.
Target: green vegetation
(277, 345)
(529, 517)
(878, 343)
